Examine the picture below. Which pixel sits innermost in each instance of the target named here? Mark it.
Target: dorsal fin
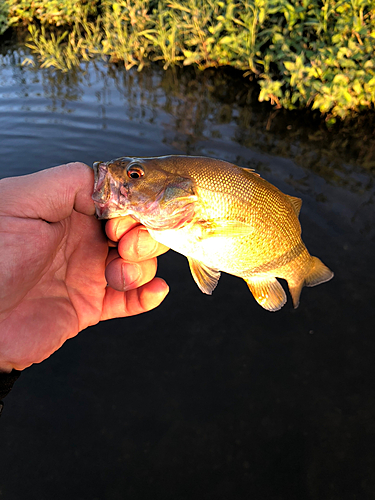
(250, 171)
(296, 203)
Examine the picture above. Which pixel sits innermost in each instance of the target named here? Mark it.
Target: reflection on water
(214, 113)
(211, 105)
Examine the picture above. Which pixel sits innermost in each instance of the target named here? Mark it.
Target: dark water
(205, 397)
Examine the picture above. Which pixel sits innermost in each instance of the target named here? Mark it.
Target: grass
(303, 53)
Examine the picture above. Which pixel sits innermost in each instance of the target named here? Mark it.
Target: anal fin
(205, 277)
(267, 292)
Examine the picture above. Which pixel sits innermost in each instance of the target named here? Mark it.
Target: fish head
(140, 187)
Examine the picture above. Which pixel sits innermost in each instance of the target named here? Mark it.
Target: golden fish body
(220, 216)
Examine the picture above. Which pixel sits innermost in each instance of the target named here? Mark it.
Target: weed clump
(316, 53)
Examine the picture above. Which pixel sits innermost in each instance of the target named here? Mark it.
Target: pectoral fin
(205, 277)
(225, 228)
(267, 292)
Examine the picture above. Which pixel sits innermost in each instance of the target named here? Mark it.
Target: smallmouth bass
(220, 216)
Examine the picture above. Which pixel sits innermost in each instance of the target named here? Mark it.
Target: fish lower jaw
(108, 211)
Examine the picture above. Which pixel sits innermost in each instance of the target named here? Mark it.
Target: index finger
(134, 242)
(116, 228)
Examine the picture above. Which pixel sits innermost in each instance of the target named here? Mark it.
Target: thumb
(50, 194)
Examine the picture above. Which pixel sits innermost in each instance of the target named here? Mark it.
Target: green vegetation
(317, 53)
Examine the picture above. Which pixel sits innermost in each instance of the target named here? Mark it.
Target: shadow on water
(205, 397)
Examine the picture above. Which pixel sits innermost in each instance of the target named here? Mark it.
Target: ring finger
(124, 276)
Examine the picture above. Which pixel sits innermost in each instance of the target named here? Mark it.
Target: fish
(222, 217)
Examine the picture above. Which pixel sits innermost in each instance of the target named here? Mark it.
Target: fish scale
(220, 216)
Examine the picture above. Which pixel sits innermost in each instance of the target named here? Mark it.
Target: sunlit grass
(303, 53)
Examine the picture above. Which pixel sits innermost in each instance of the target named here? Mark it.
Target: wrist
(6, 382)
(5, 367)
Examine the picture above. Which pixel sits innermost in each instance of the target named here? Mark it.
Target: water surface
(205, 397)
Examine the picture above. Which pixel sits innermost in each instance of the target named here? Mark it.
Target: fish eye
(135, 171)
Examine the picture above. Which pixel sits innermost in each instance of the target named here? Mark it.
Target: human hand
(55, 264)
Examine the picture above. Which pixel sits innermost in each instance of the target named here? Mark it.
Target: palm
(60, 286)
(53, 277)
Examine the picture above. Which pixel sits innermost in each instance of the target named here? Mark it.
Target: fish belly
(227, 254)
(241, 256)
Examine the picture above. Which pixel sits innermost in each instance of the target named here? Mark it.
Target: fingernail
(130, 275)
(145, 245)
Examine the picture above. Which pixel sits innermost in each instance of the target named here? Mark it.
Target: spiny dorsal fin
(205, 277)
(250, 171)
(296, 203)
(267, 292)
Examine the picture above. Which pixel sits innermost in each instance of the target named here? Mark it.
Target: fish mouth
(108, 210)
(173, 206)
(108, 196)
(100, 169)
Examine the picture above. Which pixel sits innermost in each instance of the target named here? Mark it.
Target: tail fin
(295, 292)
(319, 273)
